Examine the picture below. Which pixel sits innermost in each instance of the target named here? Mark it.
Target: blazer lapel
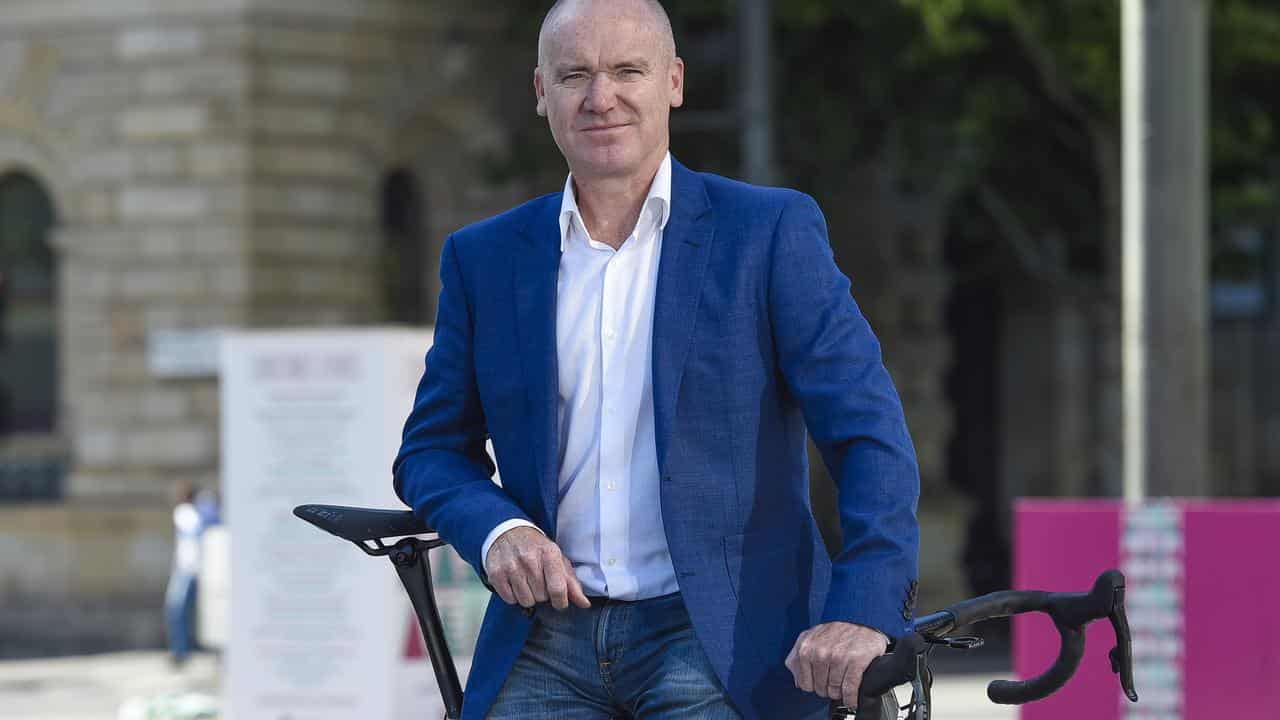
(686, 247)
(536, 273)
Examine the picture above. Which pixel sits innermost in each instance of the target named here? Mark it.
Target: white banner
(319, 630)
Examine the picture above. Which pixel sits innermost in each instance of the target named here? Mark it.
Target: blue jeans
(636, 660)
(179, 612)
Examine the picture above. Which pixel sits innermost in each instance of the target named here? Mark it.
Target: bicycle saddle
(361, 524)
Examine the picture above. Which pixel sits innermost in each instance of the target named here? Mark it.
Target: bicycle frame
(907, 661)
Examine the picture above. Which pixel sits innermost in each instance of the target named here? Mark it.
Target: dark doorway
(28, 327)
(405, 252)
(32, 455)
(974, 317)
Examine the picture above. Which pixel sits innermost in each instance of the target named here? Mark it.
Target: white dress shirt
(609, 518)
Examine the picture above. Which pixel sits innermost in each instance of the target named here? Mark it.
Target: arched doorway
(31, 457)
(406, 250)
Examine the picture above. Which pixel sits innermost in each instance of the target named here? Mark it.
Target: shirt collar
(659, 192)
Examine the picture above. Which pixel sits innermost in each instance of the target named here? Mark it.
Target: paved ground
(95, 687)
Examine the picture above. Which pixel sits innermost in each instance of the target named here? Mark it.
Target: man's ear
(540, 94)
(677, 82)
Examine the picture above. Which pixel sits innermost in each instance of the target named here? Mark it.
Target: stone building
(170, 168)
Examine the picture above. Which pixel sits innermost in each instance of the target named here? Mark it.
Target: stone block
(163, 121)
(229, 281)
(183, 445)
(323, 43)
(92, 129)
(74, 92)
(161, 282)
(87, 281)
(230, 201)
(103, 164)
(209, 76)
(164, 203)
(105, 360)
(163, 404)
(217, 159)
(205, 401)
(112, 244)
(297, 161)
(167, 242)
(97, 205)
(293, 120)
(99, 446)
(313, 202)
(82, 48)
(137, 43)
(305, 80)
(157, 160)
(317, 243)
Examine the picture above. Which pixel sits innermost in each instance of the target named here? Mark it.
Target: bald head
(564, 11)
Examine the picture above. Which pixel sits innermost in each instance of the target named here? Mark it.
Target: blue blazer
(755, 338)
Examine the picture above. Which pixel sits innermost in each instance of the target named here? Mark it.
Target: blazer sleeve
(831, 363)
(442, 470)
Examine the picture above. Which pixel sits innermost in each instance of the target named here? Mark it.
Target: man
(645, 351)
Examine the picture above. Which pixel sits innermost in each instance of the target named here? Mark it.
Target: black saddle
(361, 524)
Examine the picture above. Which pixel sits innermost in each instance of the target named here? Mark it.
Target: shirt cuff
(496, 532)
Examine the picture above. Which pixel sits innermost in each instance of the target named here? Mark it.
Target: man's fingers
(557, 585)
(801, 669)
(837, 676)
(502, 586)
(576, 595)
(849, 693)
(852, 683)
(523, 594)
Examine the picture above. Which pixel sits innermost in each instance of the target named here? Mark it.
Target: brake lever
(1121, 655)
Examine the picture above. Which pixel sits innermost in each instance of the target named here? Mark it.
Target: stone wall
(80, 577)
(217, 164)
(214, 163)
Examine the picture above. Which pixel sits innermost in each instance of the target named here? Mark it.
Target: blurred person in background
(645, 351)
(4, 339)
(209, 506)
(180, 596)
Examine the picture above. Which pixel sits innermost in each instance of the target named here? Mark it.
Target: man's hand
(526, 567)
(829, 659)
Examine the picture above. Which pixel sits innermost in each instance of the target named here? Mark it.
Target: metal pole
(1133, 29)
(755, 89)
(1177, 256)
(1166, 273)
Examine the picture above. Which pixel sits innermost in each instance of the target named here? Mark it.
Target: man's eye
(573, 78)
(630, 73)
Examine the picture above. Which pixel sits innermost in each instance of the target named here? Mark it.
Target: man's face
(606, 83)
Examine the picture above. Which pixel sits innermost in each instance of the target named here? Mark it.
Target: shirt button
(612, 562)
(608, 334)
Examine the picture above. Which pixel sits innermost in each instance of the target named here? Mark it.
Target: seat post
(413, 565)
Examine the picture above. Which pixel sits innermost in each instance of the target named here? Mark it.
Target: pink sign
(1202, 592)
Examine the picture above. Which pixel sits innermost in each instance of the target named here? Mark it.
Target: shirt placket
(613, 510)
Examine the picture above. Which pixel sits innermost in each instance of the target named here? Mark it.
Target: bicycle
(906, 662)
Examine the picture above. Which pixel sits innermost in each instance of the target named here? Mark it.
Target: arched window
(405, 257)
(32, 457)
(28, 337)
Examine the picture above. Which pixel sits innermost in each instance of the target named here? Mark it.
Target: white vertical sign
(317, 628)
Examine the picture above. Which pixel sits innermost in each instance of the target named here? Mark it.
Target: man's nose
(601, 94)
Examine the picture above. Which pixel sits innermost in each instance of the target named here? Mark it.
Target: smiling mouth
(604, 128)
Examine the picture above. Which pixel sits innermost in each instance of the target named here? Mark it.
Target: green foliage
(1021, 96)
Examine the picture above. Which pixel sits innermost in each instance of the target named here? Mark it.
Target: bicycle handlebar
(1070, 613)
